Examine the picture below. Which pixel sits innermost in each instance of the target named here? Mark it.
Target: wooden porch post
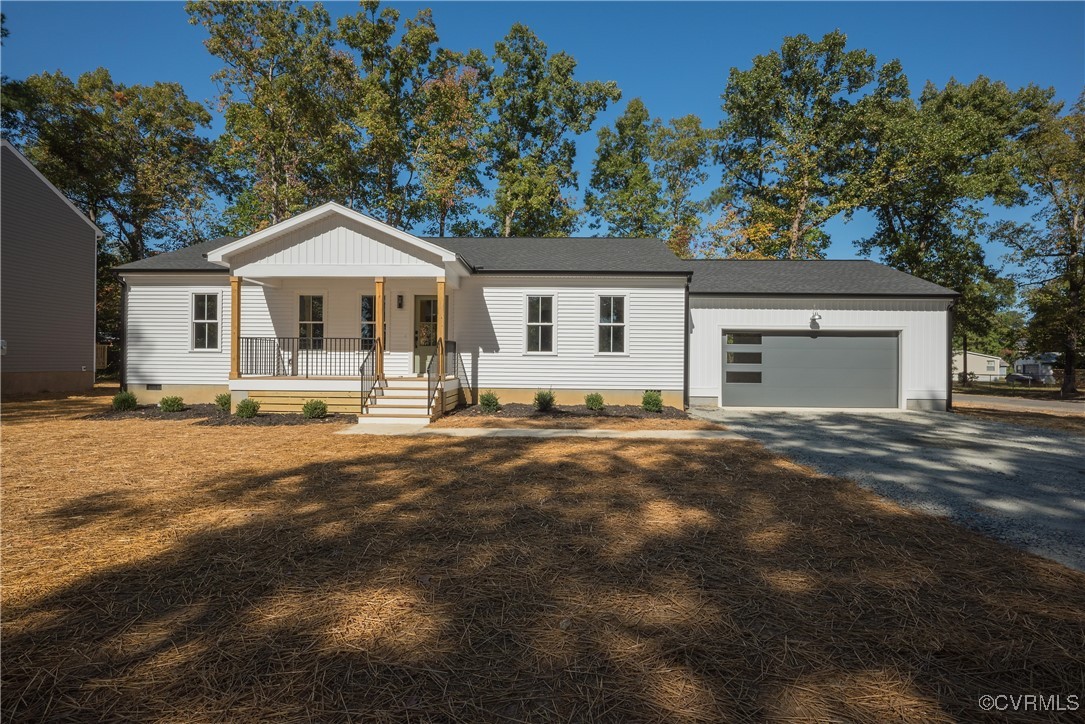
(235, 328)
(441, 327)
(378, 317)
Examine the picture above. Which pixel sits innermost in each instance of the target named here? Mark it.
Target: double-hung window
(311, 321)
(540, 324)
(205, 321)
(612, 325)
(369, 321)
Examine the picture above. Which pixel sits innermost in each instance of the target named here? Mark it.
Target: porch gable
(333, 241)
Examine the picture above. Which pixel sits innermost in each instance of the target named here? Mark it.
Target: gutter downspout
(124, 332)
(951, 322)
(685, 354)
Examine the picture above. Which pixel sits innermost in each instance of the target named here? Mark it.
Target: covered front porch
(332, 301)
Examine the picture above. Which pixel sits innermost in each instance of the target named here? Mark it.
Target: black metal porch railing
(369, 371)
(303, 356)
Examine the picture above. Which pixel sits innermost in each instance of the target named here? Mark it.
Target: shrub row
(489, 403)
(125, 401)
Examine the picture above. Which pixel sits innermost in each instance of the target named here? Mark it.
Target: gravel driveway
(1022, 486)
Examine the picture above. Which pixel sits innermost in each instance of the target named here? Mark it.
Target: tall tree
(538, 106)
(449, 151)
(388, 97)
(928, 165)
(623, 193)
(681, 151)
(283, 89)
(790, 135)
(1051, 249)
(133, 158)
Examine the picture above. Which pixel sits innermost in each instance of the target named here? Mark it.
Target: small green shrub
(594, 401)
(247, 408)
(124, 401)
(489, 402)
(544, 400)
(313, 409)
(171, 404)
(223, 401)
(652, 401)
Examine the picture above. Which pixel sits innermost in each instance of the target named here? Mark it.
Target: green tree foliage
(385, 101)
(131, 157)
(681, 150)
(929, 164)
(790, 136)
(450, 152)
(538, 106)
(1051, 249)
(624, 193)
(283, 90)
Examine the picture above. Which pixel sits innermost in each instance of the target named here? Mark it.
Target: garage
(770, 368)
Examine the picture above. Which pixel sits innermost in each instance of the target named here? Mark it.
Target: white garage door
(810, 369)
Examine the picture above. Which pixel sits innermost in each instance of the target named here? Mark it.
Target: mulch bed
(214, 416)
(179, 573)
(565, 412)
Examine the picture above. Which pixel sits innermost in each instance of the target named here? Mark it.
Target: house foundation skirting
(32, 383)
(575, 396)
(191, 394)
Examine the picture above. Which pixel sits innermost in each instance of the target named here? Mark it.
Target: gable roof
(328, 209)
(584, 255)
(822, 277)
(5, 144)
(188, 259)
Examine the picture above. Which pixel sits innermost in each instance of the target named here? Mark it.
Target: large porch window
(369, 321)
(311, 321)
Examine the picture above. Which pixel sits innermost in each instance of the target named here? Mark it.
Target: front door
(425, 332)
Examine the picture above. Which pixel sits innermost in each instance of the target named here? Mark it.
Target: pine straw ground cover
(158, 570)
(575, 417)
(1072, 421)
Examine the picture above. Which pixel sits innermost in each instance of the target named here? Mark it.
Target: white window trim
(553, 325)
(598, 306)
(192, 322)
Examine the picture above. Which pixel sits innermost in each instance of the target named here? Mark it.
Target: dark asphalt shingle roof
(576, 255)
(632, 256)
(189, 258)
(816, 277)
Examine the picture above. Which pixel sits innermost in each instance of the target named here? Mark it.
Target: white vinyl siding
(491, 317)
(159, 344)
(922, 324)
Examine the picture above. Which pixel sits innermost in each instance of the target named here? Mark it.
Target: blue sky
(674, 56)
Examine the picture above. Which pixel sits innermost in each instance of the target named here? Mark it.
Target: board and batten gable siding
(490, 323)
(47, 283)
(158, 328)
(334, 247)
(922, 324)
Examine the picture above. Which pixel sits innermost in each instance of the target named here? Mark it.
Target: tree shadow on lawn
(517, 580)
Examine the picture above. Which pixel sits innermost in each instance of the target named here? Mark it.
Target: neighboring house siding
(490, 334)
(981, 366)
(922, 324)
(48, 283)
(159, 331)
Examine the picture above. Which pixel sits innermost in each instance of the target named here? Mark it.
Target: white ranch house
(335, 305)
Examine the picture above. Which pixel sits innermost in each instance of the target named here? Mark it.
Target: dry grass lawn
(1072, 422)
(162, 570)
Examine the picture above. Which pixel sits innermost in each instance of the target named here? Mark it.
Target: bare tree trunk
(508, 224)
(796, 222)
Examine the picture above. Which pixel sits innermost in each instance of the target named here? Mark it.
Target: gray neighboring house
(48, 280)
